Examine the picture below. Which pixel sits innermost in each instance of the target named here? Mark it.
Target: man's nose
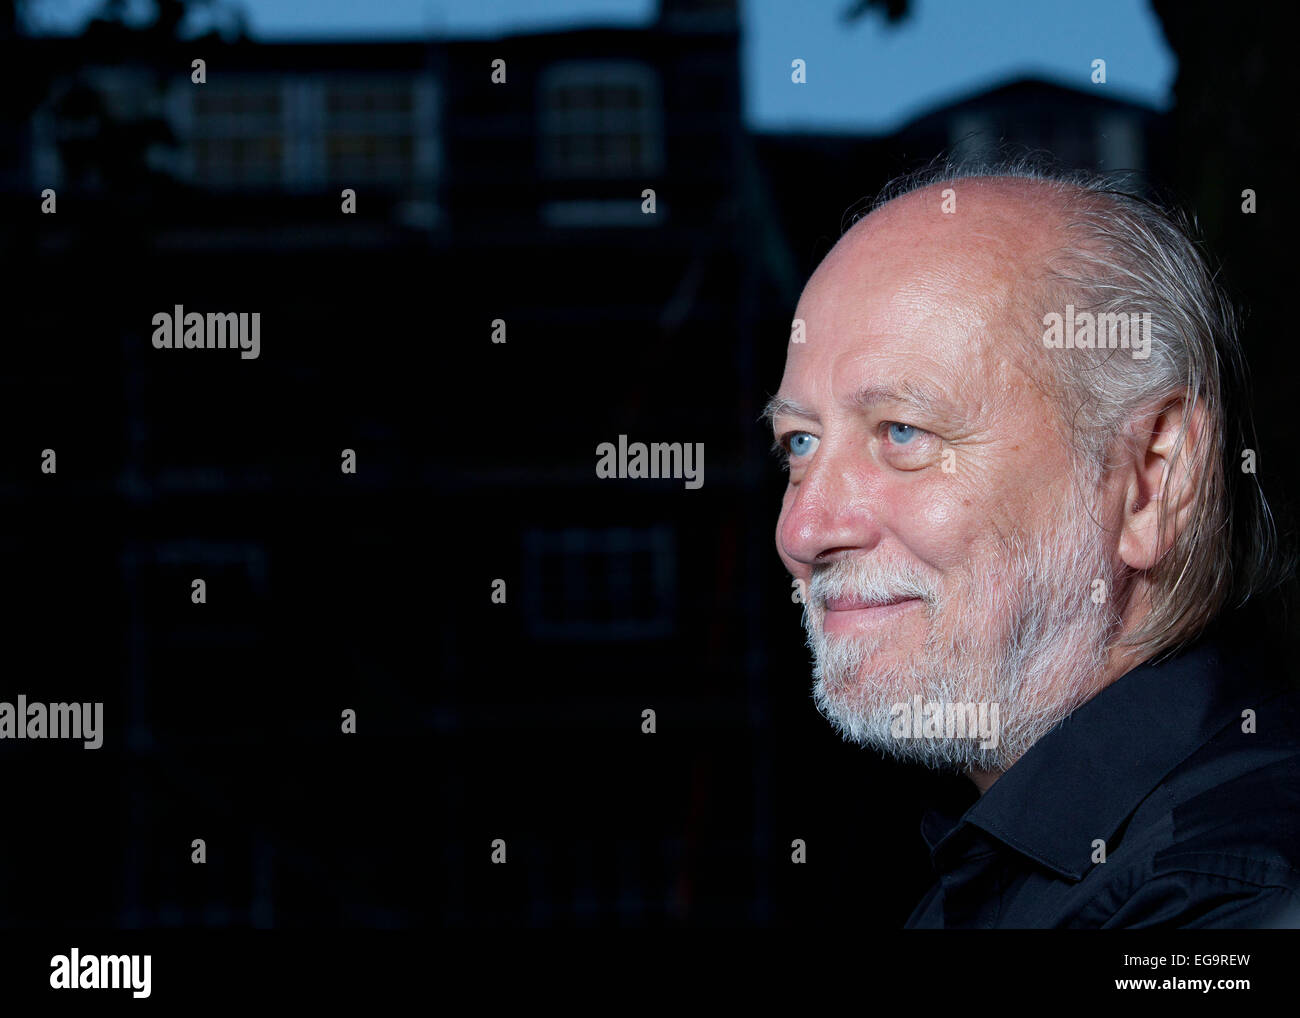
(833, 513)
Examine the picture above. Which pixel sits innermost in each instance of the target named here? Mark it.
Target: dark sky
(864, 77)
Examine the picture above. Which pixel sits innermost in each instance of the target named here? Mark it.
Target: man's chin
(870, 683)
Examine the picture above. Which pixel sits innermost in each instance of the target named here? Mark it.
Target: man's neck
(1122, 660)
(984, 779)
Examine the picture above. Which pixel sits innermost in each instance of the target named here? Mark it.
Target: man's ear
(1161, 479)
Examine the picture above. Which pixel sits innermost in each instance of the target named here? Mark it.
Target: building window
(368, 156)
(262, 100)
(371, 130)
(364, 99)
(237, 132)
(307, 131)
(600, 119)
(238, 160)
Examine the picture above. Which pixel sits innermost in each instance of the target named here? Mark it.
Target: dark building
(602, 204)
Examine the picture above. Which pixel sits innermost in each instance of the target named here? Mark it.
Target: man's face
(932, 511)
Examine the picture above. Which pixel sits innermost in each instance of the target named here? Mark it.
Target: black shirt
(1200, 820)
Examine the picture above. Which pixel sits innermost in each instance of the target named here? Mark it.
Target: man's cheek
(940, 527)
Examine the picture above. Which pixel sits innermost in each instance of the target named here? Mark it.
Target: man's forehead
(918, 326)
(885, 300)
(954, 304)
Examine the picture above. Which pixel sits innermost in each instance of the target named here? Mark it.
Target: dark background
(475, 720)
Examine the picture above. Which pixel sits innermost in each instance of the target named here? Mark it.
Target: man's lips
(853, 604)
(855, 614)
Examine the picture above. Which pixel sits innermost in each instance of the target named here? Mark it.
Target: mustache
(869, 581)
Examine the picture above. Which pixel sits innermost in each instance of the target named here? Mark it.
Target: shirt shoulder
(1217, 843)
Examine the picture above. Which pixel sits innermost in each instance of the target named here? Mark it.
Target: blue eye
(802, 443)
(901, 434)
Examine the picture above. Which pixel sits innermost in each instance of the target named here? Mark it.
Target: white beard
(1022, 632)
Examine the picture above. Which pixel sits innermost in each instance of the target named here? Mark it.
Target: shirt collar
(1086, 776)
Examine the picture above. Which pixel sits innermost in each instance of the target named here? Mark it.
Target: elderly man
(1017, 495)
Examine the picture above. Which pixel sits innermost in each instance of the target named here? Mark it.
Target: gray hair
(1125, 253)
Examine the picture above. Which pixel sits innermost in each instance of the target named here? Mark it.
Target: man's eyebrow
(930, 402)
(778, 405)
